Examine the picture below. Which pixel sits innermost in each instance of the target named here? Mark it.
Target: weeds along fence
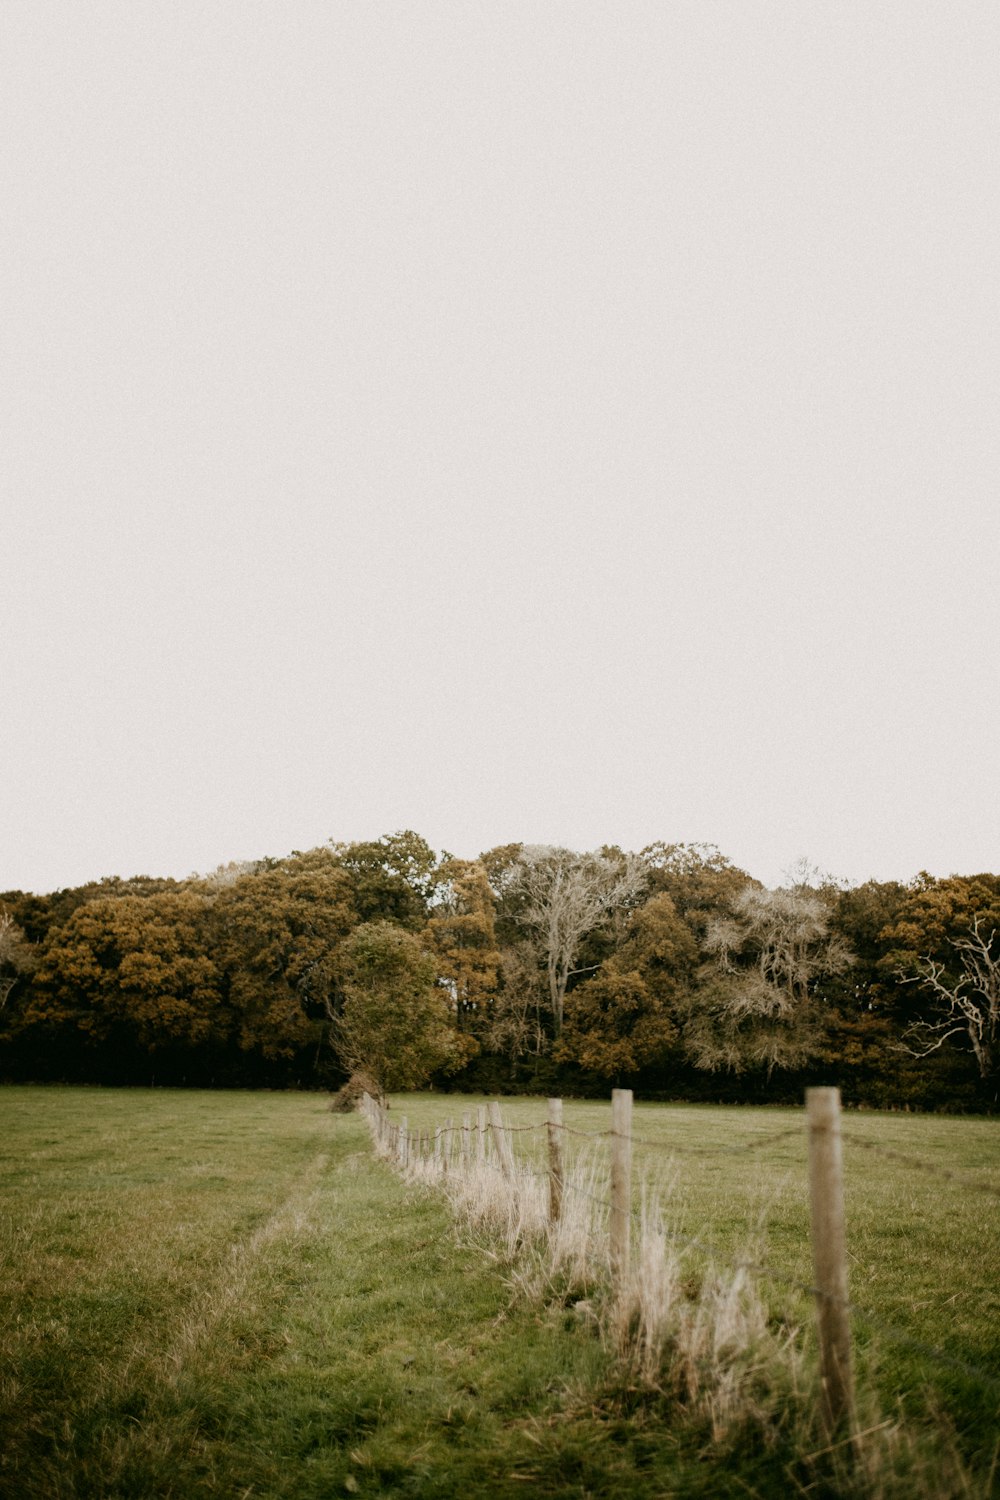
(572, 1190)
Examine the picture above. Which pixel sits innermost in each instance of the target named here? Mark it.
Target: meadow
(228, 1294)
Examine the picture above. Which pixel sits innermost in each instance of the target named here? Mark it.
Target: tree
(938, 952)
(462, 933)
(970, 1000)
(133, 971)
(393, 1021)
(625, 1018)
(755, 1002)
(566, 895)
(277, 929)
(701, 881)
(515, 1027)
(392, 877)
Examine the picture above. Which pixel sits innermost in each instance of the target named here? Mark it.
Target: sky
(570, 423)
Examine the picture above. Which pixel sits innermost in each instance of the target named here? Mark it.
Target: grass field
(227, 1294)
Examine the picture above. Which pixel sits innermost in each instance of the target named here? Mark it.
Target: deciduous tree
(392, 877)
(16, 956)
(967, 1002)
(564, 896)
(755, 1004)
(134, 970)
(277, 930)
(462, 934)
(393, 1020)
(625, 1018)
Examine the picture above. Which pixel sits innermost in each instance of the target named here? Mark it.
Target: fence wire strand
(880, 1326)
(974, 1184)
(676, 1149)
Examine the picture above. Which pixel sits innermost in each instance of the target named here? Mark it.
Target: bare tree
(971, 1003)
(566, 895)
(782, 938)
(754, 1005)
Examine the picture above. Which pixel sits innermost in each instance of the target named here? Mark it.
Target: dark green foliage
(233, 978)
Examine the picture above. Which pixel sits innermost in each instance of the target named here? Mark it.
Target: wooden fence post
(466, 1141)
(621, 1184)
(555, 1160)
(826, 1203)
(481, 1134)
(404, 1142)
(449, 1142)
(500, 1141)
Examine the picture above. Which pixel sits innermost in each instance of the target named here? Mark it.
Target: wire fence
(488, 1141)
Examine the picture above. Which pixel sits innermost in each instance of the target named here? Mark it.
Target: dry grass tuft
(351, 1095)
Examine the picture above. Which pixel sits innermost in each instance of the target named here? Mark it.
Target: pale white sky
(546, 421)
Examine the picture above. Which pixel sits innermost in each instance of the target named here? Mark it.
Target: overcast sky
(575, 423)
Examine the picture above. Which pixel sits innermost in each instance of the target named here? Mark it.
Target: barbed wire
(677, 1149)
(974, 1184)
(747, 1148)
(590, 1135)
(880, 1326)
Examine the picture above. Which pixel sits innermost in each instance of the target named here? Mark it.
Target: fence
(485, 1139)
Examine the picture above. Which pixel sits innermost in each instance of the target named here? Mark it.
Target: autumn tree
(859, 1021)
(701, 881)
(277, 929)
(133, 971)
(392, 1021)
(625, 1018)
(392, 878)
(462, 935)
(516, 1027)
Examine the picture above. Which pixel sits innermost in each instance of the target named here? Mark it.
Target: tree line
(532, 968)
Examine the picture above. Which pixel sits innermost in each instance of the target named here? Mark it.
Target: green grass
(225, 1294)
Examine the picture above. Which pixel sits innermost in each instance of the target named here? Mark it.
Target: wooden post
(500, 1142)
(437, 1145)
(555, 1160)
(621, 1184)
(449, 1142)
(466, 1141)
(826, 1203)
(481, 1134)
(404, 1142)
